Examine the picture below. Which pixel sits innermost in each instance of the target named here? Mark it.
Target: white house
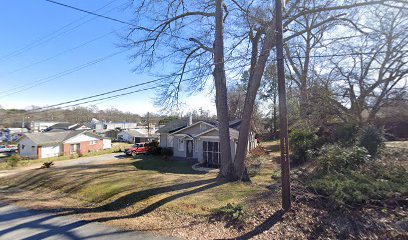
(137, 135)
(199, 140)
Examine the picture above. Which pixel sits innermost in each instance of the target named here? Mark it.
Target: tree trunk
(240, 172)
(303, 104)
(221, 101)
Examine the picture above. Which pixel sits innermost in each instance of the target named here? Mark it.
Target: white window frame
(213, 153)
(93, 142)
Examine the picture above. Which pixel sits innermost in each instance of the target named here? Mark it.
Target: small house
(53, 144)
(137, 135)
(200, 140)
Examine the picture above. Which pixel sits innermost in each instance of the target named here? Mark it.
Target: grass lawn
(142, 184)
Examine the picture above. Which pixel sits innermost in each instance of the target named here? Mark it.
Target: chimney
(190, 120)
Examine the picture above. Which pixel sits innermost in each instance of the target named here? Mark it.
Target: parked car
(137, 148)
(5, 149)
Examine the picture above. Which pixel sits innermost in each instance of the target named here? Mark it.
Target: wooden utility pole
(284, 143)
(148, 124)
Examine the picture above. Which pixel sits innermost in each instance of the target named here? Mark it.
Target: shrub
(230, 212)
(346, 175)
(333, 158)
(301, 142)
(167, 152)
(153, 148)
(345, 134)
(371, 138)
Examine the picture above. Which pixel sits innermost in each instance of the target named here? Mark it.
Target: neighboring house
(199, 140)
(12, 134)
(52, 144)
(66, 127)
(39, 126)
(137, 135)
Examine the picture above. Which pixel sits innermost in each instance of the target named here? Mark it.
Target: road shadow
(267, 224)
(20, 223)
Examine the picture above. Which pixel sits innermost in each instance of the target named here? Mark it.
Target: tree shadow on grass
(210, 184)
(135, 197)
(157, 163)
(267, 224)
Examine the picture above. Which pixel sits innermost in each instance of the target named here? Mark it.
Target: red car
(137, 148)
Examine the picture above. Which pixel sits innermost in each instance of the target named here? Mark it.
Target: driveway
(66, 163)
(19, 223)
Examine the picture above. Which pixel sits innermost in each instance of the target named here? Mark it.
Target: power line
(53, 57)
(114, 19)
(34, 111)
(52, 35)
(64, 73)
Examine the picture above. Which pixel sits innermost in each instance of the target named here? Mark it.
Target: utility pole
(148, 124)
(284, 143)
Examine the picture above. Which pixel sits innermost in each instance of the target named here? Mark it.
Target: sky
(51, 54)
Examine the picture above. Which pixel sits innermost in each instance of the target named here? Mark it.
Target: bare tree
(376, 70)
(191, 35)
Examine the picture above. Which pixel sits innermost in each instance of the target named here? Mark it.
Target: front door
(190, 147)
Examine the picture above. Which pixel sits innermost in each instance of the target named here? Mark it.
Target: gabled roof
(50, 138)
(173, 126)
(192, 125)
(142, 133)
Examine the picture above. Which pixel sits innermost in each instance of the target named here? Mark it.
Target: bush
(153, 148)
(336, 159)
(230, 212)
(346, 175)
(372, 139)
(167, 152)
(345, 134)
(301, 142)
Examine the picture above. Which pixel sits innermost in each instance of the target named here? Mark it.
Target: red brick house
(52, 144)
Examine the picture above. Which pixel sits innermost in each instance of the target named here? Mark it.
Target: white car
(4, 149)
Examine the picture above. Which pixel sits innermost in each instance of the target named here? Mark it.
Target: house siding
(29, 150)
(176, 151)
(163, 140)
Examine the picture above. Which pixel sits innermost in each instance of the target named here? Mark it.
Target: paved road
(66, 163)
(18, 223)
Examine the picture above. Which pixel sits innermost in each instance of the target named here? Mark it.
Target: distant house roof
(139, 133)
(66, 126)
(173, 126)
(51, 138)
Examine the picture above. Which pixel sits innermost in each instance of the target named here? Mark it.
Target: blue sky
(33, 31)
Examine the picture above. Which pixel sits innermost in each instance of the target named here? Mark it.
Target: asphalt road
(66, 163)
(18, 223)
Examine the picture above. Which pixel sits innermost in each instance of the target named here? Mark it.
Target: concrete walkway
(65, 163)
(18, 223)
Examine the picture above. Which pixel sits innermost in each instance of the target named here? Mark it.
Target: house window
(211, 153)
(22, 146)
(180, 144)
(93, 142)
(74, 148)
